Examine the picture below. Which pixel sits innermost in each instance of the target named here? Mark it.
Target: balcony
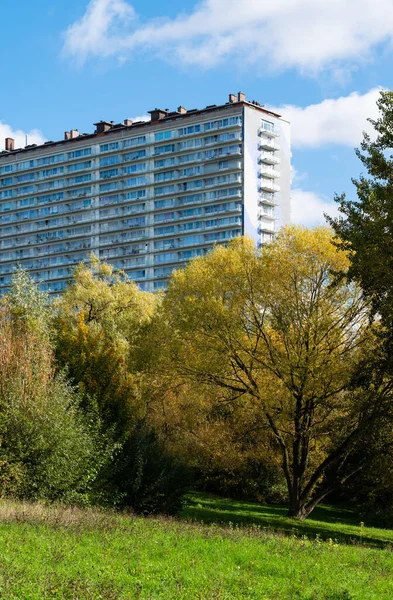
(268, 171)
(265, 238)
(267, 185)
(264, 213)
(271, 131)
(265, 230)
(269, 158)
(268, 144)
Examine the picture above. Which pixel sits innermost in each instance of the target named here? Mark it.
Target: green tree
(365, 226)
(282, 339)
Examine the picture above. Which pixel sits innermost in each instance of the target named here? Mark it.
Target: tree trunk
(297, 509)
(300, 510)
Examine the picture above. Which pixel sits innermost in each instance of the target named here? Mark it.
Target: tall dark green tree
(365, 226)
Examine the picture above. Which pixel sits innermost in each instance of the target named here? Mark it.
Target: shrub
(145, 477)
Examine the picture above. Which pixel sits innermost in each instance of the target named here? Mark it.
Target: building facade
(147, 196)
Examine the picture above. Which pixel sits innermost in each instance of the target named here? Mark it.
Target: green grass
(53, 552)
(340, 524)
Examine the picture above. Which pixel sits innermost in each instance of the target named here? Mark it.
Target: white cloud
(33, 136)
(305, 34)
(339, 121)
(307, 208)
(99, 30)
(140, 118)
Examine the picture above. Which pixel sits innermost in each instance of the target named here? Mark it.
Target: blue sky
(67, 64)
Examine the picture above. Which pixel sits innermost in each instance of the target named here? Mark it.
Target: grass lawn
(339, 524)
(54, 552)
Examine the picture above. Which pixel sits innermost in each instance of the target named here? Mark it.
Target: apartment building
(144, 196)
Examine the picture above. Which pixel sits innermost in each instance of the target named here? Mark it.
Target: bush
(47, 451)
(145, 477)
(47, 446)
(249, 480)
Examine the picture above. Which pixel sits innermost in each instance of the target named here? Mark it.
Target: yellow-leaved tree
(99, 318)
(287, 346)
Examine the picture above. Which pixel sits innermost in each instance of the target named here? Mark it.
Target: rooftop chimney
(241, 97)
(9, 144)
(127, 122)
(158, 114)
(74, 133)
(232, 98)
(67, 135)
(102, 126)
(182, 110)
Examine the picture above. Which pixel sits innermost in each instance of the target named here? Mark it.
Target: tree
(47, 448)
(99, 318)
(283, 339)
(365, 226)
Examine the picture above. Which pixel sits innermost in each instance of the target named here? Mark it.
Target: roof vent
(232, 98)
(9, 144)
(241, 97)
(127, 122)
(181, 110)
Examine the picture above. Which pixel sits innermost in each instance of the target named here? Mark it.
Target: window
(222, 235)
(164, 149)
(109, 147)
(22, 178)
(267, 126)
(78, 153)
(134, 181)
(7, 169)
(160, 285)
(107, 187)
(191, 226)
(134, 155)
(164, 230)
(79, 179)
(79, 166)
(136, 141)
(167, 257)
(105, 200)
(50, 198)
(135, 222)
(163, 135)
(189, 130)
(222, 123)
(134, 168)
(135, 275)
(191, 199)
(134, 195)
(164, 162)
(191, 240)
(163, 272)
(109, 173)
(197, 170)
(164, 176)
(166, 244)
(164, 189)
(163, 217)
(107, 161)
(49, 160)
(167, 203)
(190, 144)
(189, 212)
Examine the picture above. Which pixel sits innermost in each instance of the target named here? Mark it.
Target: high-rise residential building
(145, 196)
